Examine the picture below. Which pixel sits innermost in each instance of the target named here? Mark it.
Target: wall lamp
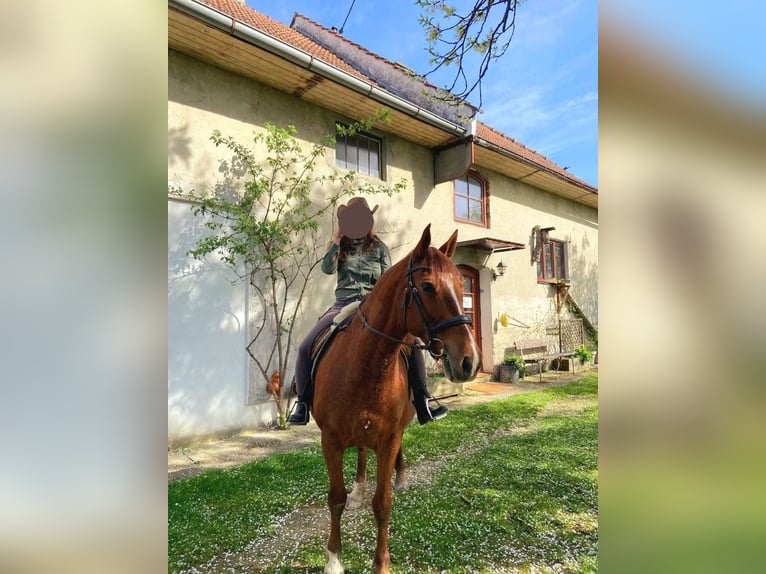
(499, 272)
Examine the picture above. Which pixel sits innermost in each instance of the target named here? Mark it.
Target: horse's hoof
(356, 497)
(401, 484)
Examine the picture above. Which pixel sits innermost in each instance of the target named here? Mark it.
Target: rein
(435, 345)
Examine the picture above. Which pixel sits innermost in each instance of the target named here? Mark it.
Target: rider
(359, 257)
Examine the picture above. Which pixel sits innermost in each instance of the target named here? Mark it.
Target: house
(233, 69)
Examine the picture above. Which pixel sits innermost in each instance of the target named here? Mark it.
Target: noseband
(435, 345)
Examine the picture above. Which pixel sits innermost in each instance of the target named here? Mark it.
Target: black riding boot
(299, 414)
(416, 377)
(425, 413)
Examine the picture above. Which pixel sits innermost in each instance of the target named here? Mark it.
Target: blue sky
(543, 93)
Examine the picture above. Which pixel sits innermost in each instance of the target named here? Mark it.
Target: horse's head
(434, 308)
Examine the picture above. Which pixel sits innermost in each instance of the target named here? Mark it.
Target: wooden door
(471, 292)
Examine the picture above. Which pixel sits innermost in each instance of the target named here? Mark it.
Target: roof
(507, 143)
(226, 43)
(281, 32)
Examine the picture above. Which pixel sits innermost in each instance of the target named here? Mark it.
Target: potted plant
(512, 367)
(583, 354)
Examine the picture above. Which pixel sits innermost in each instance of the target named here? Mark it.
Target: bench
(540, 352)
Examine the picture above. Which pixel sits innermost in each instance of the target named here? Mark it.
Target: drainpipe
(253, 36)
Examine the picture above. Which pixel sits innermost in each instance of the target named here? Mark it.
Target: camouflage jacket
(359, 270)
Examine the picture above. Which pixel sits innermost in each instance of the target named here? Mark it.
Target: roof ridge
(420, 77)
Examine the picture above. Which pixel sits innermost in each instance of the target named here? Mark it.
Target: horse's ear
(421, 249)
(449, 247)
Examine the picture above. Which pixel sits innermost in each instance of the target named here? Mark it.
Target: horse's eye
(428, 288)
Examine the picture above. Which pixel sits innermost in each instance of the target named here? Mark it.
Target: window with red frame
(471, 199)
(552, 264)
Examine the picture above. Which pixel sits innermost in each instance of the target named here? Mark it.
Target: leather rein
(435, 345)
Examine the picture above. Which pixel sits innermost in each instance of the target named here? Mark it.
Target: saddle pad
(346, 312)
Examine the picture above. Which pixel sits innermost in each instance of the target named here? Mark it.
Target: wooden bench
(540, 352)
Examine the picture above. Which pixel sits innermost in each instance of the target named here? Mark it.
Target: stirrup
(430, 414)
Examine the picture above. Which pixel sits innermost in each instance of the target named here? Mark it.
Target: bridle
(435, 345)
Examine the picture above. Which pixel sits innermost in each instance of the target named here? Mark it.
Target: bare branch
(487, 29)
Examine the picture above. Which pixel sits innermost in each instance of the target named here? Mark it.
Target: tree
(486, 29)
(268, 233)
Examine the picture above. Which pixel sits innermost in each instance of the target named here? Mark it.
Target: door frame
(473, 273)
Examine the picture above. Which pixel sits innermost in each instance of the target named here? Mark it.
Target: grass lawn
(510, 486)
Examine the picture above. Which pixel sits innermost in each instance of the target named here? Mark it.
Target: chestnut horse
(361, 396)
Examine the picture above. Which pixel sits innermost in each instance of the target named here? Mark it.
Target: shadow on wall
(179, 146)
(584, 274)
(206, 334)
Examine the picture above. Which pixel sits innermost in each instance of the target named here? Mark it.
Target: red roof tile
(281, 32)
(507, 143)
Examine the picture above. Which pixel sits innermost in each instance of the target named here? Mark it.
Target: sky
(543, 92)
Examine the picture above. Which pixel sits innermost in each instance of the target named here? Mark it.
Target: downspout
(251, 35)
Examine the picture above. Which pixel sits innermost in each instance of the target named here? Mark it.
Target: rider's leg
(416, 377)
(300, 412)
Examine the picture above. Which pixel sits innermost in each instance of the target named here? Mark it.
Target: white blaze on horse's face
(460, 364)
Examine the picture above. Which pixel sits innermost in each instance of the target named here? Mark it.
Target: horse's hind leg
(400, 482)
(336, 500)
(360, 481)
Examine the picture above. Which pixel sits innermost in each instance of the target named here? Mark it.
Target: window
(553, 261)
(359, 152)
(471, 199)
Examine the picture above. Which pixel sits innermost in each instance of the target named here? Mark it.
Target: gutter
(253, 36)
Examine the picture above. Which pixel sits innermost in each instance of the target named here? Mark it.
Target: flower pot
(509, 374)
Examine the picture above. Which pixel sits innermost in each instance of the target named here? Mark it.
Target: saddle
(325, 337)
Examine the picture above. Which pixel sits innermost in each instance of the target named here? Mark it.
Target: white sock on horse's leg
(333, 565)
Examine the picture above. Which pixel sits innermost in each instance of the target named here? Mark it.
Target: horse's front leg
(336, 500)
(356, 497)
(381, 504)
(400, 482)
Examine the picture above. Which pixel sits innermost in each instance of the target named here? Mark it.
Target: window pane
(340, 151)
(374, 158)
(461, 207)
(461, 187)
(364, 155)
(474, 188)
(561, 272)
(467, 302)
(476, 209)
(548, 261)
(352, 160)
(467, 284)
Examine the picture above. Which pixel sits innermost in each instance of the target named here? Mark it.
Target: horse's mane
(437, 261)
